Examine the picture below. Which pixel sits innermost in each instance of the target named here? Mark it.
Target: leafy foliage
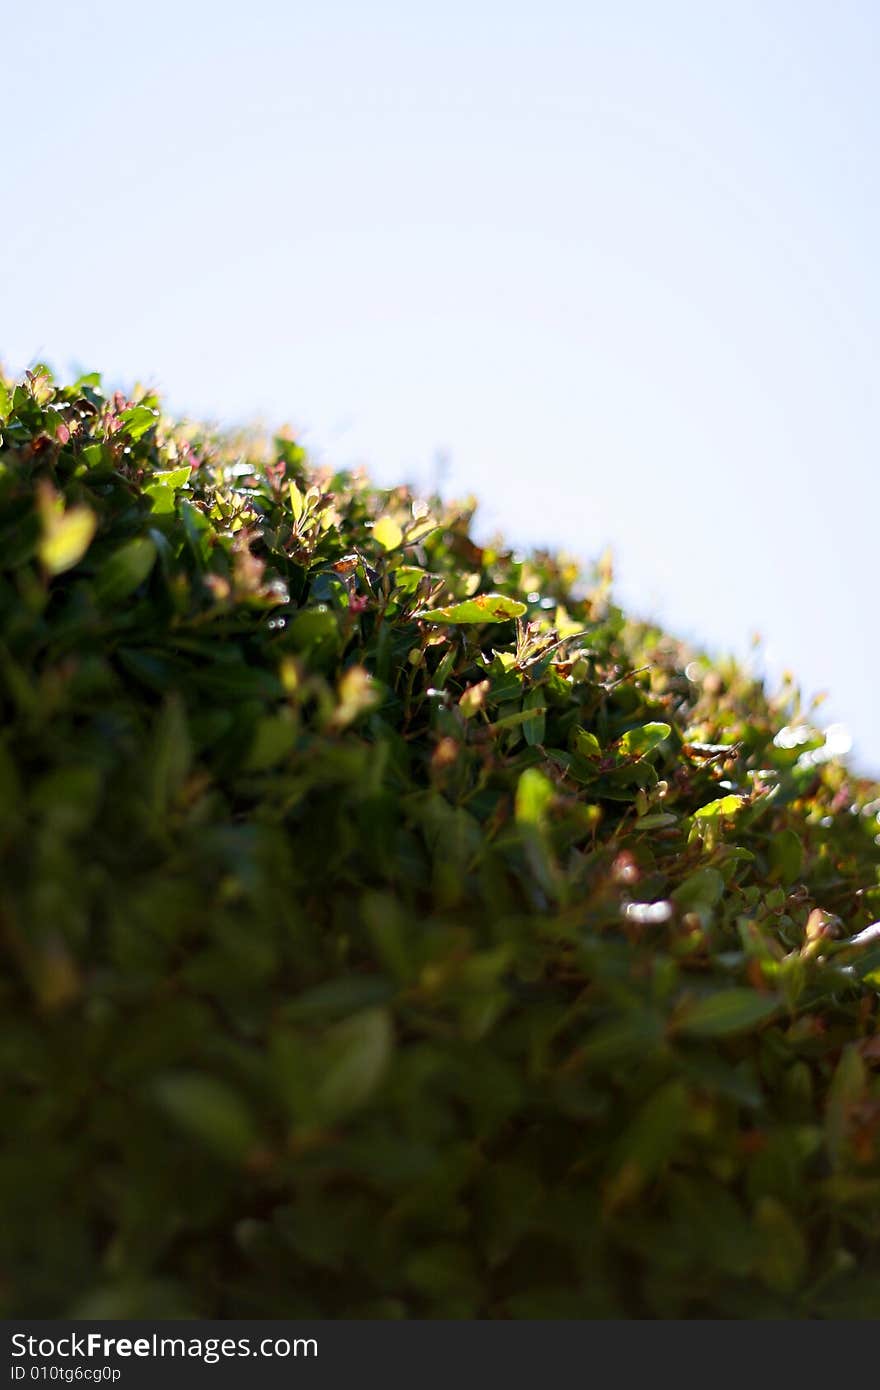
(392, 927)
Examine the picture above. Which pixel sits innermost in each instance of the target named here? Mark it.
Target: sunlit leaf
(138, 420)
(534, 795)
(485, 608)
(66, 538)
(637, 743)
(724, 806)
(387, 532)
(587, 744)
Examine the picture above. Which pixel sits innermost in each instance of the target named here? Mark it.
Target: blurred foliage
(392, 927)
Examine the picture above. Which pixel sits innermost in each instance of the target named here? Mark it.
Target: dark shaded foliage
(392, 928)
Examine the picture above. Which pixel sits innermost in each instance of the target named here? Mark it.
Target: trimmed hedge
(394, 928)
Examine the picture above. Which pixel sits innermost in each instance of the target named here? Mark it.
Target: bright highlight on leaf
(138, 420)
(637, 743)
(534, 795)
(724, 806)
(588, 745)
(357, 694)
(473, 698)
(173, 478)
(387, 532)
(485, 608)
(66, 536)
(297, 501)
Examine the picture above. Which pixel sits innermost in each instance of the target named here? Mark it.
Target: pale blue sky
(619, 261)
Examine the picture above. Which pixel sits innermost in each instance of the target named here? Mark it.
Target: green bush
(392, 927)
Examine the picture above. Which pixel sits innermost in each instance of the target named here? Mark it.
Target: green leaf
(387, 532)
(474, 698)
(783, 1255)
(534, 793)
(356, 1056)
(703, 888)
(162, 499)
(209, 1110)
(587, 745)
(171, 755)
(90, 379)
(351, 995)
(315, 631)
(173, 478)
(535, 727)
(728, 1011)
(274, 737)
(66, 538)
(126, 568)
(98, 459)
(649, 1142)
(848, 1087)
(138, 420)
(297, 501)
(637, 743)
(238, 682)
(517, 718)
(623, 1039)
(724, 806)
(199, 531)
(485, 608)
(786, 855)
(358, 694)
